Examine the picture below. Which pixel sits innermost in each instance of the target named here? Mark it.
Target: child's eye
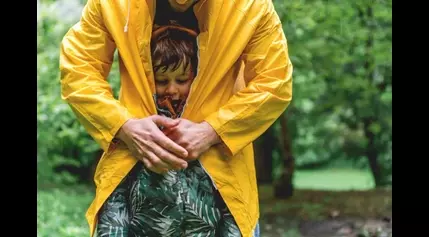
(162, 83)
(181, 81)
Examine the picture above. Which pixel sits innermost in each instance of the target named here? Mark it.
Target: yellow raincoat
(233, 33)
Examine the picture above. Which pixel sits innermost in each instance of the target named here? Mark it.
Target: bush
(62, 141)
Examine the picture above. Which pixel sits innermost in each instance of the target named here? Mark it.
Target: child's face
(174, 83)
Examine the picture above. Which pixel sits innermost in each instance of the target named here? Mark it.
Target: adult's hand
(149, 144)
(196, 138)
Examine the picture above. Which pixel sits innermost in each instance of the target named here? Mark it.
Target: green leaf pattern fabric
(179, 203)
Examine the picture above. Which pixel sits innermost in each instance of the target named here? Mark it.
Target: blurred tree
(263, 148)
(283, 187)
(341, 53)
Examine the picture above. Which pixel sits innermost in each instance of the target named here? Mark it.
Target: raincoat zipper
(205, 171)
(186, 104)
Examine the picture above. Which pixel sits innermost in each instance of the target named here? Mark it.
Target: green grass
(61, 211)
(338, 179)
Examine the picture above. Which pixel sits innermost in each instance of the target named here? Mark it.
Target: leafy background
(339, 123)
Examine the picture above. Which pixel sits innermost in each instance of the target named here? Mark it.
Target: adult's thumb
(163, 121)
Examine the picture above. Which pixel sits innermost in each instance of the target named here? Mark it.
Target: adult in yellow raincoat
(224, 122)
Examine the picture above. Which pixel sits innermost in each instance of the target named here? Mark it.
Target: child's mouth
(173, 106)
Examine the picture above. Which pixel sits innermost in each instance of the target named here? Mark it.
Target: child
(174, 59)
(178, 203)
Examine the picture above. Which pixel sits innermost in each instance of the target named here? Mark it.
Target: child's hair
(171, 45)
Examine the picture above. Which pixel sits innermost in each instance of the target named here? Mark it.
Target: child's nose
(172, 90)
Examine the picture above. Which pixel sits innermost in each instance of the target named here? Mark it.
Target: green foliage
(62, 141)
(342, 57)
(61, 212)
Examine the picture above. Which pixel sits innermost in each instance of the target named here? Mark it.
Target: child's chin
(176, 103)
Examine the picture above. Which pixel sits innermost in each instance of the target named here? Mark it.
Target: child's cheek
(160, 90)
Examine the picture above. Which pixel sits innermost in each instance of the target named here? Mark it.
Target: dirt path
(327, 214)
(345, 227)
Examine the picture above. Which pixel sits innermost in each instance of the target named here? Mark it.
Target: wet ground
(327, 214)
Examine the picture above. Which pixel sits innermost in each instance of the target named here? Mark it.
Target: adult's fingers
(151, 167)
(167, 131)
(164, 121)
(174, 134)
(153, 164)
(157, 162)
(162, 140)
(162, 149)
(165, 142)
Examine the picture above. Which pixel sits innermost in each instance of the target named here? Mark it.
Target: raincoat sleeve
(86, 56)
(268, 76)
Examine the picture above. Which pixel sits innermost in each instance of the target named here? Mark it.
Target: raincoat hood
(240, 42)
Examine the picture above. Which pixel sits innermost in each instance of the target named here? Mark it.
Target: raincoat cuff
(219, 126)
(111, 136)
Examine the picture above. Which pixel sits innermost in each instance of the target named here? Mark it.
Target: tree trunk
(283, 188)
(371, 150)
(366, 16)
(372, 153)
(263, 149)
